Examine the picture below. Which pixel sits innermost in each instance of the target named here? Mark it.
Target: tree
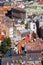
(5, 45)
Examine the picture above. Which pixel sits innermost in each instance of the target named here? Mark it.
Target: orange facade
(38, 64)
(28, 64)
(26, 40)
(3, 9)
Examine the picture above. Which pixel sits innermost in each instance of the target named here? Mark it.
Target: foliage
(5, 45)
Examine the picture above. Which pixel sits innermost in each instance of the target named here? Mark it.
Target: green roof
(29, 9)
(34, 4)
(33, 7)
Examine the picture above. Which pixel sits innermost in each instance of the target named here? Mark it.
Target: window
(33, 26)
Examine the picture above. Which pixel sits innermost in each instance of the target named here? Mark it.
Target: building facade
(29, 58)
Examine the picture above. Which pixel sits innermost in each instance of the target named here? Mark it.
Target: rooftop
(29, 57)
(41, 2)
(37, 45)
(34, 7)
(6, 21)
(25, 31)
(18, 10)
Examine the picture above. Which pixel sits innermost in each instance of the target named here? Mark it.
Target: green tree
(5, 45)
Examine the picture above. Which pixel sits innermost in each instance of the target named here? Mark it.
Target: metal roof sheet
(25, 31)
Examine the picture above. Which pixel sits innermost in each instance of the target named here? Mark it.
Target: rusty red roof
(41, 2)
(37, 45)
(1, 37)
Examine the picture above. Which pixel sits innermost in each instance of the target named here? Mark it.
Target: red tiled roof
(37, 45)
(41, 2)
(26, 40)
(28, 64)
(1, 37)
(38, 64)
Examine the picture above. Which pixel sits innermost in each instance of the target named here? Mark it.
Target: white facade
(33, 26)
(20, 27)
(27, 20)
(11, 32)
